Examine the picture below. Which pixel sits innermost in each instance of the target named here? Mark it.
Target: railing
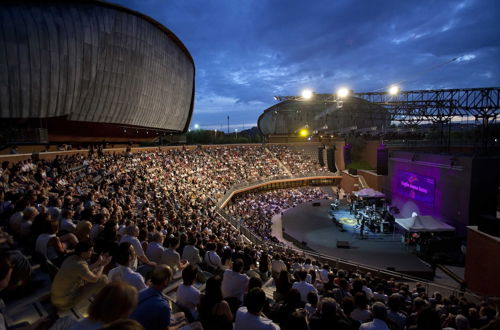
(345, 264)
(362, 181)
(270, 180)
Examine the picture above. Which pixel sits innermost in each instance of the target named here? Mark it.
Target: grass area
(360, 165)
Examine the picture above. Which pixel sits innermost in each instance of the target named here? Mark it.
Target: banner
(416, 187)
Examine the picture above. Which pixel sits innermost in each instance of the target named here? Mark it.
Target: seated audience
(115, 301)
(249, 317)
(153, 309)
(123, 272)
(76, 281)
(188, 297)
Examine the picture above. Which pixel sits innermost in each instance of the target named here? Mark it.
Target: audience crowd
(256, 210)
(118, 228)
(298, 160)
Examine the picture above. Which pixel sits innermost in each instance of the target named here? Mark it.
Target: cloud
(246, 52)
(466, 57)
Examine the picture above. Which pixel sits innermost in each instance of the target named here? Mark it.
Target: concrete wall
(373, 180)
(369, 152)
(482, 269)
(339, 155)
(452, 186)
(349, 182)
(91, 61)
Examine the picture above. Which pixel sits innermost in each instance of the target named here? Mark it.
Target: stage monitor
(415, 187)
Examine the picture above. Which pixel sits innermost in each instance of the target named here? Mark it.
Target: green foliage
(360, 165)
(218, 137)
(357, 145)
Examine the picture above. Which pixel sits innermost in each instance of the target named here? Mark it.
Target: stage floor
(313, 225)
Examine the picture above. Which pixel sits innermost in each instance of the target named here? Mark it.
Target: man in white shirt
(188, 297)
(131, 233)
(171, 257)
(234, 283)
(66, 223)
(250, 317)
(191, 253)
(379, 316)
(303, 287)
(212, 259)
(123, 272)
(155, 248)
(277, 265)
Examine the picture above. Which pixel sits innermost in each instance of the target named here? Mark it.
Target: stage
(312, 224)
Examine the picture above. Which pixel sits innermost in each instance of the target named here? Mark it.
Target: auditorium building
(90, 71)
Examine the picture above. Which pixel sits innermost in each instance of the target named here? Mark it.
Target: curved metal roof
(288, 116)
(89, 60)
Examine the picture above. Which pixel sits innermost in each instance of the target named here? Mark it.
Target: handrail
(342, 263)
(255, 239)
(269, 180)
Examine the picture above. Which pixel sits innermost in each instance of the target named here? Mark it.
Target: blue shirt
(153, 310)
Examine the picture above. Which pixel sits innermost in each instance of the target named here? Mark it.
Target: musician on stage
(362, 229)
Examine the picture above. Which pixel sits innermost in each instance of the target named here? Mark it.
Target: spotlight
(394, 90)
(304, 132)
(307, 94)
(343, 92)
(196, 126)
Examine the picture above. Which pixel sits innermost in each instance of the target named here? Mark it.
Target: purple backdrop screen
(415, 186)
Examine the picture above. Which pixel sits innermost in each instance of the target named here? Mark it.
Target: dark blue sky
(246, 51)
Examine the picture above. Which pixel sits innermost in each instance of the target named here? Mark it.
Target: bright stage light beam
(394, 90)
(343, 92)
(307, 94)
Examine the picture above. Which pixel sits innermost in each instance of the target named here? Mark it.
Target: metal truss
(436, 106)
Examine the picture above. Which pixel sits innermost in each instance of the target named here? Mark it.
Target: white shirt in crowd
(277, 266)
(67, 225)
(191, 254)
(304, 288)
(380, 297)
(127, 275)
(155, 251)
(137, 247)
(248, 321)
(234, 284)
(376, 324)
(188, 297)
(213, 259)
(361, 315)
(323, 275)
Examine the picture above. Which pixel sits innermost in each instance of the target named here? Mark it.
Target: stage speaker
(320, 156)
(382, 161)
(317, 204)
(343, 244)
(330, 159)
(489, 225)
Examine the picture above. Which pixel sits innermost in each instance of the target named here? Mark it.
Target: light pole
(236, 131)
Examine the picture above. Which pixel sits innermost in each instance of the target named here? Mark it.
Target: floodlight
(196, 126)
(304, 132)
(307, 94)
(394, 90)
(343, 92)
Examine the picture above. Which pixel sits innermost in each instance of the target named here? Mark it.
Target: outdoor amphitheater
(111, 217)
